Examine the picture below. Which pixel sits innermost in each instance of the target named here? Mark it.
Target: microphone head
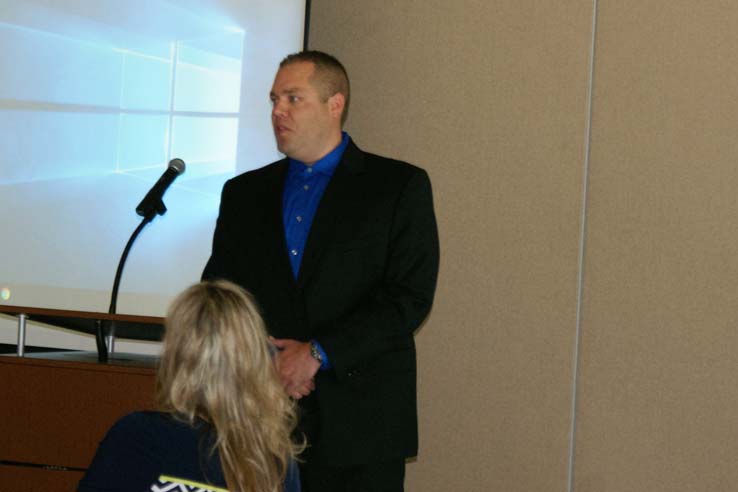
(177, 164)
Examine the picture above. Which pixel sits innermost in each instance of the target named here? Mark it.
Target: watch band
(316, 353)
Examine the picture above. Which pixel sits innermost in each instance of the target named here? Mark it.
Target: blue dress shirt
(303, 190)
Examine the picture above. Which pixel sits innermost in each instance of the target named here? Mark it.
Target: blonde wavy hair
(216, 366)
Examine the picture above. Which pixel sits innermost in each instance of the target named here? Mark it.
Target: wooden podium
(56, 407)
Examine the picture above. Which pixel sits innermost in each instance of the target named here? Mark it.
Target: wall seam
(582, 244)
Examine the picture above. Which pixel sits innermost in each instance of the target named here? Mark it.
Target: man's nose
(279, 108)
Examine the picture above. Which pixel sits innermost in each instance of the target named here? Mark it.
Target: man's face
(304, 125)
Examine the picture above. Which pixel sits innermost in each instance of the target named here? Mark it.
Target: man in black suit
(340, 249)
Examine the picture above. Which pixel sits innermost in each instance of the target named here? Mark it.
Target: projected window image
(101, 109)
(96, 97)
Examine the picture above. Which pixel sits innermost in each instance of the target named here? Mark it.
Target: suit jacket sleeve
(384, 322)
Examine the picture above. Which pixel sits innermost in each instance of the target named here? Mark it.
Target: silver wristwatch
(316, 353)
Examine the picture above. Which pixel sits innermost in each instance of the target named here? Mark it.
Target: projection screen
(96, 96)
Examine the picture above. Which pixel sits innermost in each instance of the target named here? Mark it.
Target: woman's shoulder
(149, 418)
(138, 430)
(129, 456)
(139, 449)
(142, 421)
(151, 431)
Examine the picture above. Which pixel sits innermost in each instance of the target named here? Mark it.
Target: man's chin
(282, 146)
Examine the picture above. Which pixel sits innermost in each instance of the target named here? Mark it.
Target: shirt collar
(327, 165)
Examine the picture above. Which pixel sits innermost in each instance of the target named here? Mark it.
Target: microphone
(152, 204)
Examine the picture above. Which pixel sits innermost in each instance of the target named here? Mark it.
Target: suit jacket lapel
(344, 183)
(273, 224)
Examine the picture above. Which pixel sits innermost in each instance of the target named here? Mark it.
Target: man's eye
(294, 99)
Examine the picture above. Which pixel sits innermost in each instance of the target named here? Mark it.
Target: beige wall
(659, 353)
(493, 98)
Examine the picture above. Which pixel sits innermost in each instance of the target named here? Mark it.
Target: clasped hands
(296, 366)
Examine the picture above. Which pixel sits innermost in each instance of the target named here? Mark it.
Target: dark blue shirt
(303, 190)
(147, 451)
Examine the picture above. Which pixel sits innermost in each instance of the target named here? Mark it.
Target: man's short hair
(329, 78)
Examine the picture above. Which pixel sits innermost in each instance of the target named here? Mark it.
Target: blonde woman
(225, 420)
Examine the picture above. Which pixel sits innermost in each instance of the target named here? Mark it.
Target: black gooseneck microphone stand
(151, 206)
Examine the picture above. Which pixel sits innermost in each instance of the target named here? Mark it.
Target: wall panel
(657, 377)
(490, 97)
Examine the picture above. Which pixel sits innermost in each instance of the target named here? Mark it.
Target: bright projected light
(96, 96)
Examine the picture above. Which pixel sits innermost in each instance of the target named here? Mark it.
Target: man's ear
(336, 103)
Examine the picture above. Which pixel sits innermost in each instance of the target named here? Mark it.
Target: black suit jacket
(366, 283)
